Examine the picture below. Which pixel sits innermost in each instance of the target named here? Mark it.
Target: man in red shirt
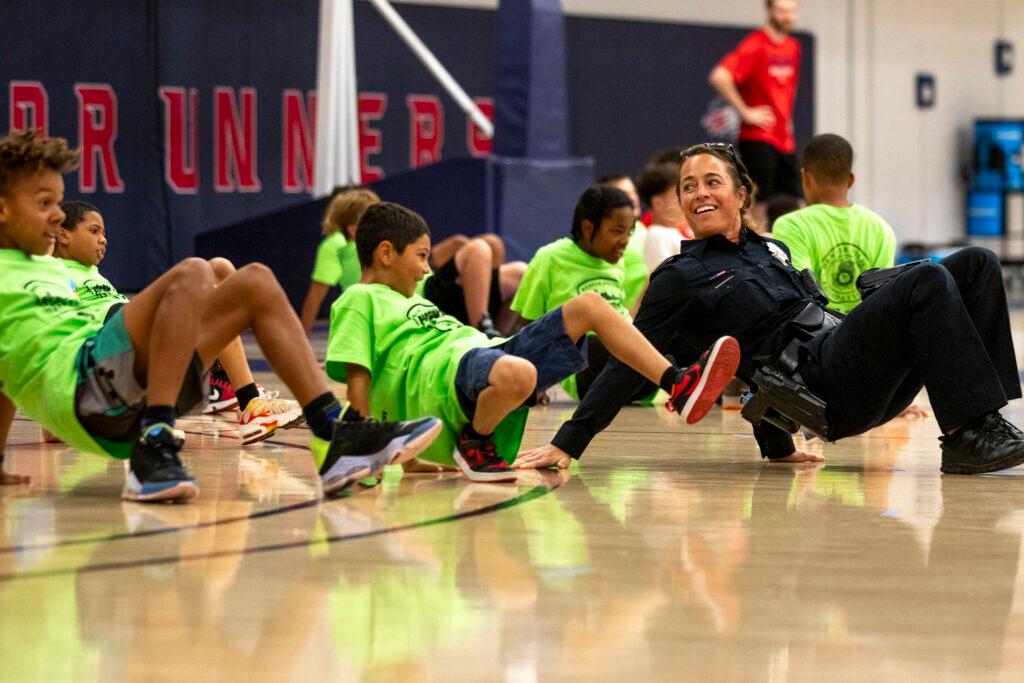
(759, 79)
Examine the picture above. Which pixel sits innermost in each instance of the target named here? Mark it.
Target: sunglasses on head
(724, 147)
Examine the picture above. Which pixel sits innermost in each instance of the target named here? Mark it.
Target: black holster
(782, 398)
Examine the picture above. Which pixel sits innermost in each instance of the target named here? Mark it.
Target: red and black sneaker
(703, 382)
(479, 460)
(222, 394)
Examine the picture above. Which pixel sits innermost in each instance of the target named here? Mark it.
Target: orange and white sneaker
(265, 414)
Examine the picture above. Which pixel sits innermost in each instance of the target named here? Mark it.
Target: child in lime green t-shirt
(116, 387)
(336, 260)
(400, 355)
(82, 244)
(837, 239)
(590, 260)
(633, 259)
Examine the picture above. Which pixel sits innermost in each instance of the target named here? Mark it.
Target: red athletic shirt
(766, 72)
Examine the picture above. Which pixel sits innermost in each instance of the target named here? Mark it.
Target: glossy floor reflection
(669, 554)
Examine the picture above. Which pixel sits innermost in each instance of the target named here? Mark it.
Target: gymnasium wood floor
(669, 554)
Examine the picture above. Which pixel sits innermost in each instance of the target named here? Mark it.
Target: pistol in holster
(782, 397)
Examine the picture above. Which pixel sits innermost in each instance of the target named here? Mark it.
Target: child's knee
(588, 304)
(513, 376)
(192, 274)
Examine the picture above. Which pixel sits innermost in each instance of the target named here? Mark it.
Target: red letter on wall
(97, 131)
(372, 106)
(29, 97)
(181, 130)
(426, 129)
(234, 141)
(299, 136)
(476, 143)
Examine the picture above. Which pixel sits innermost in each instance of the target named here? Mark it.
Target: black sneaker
(363, 448)
(487, 327)
(700, 385)
(479, 460)
(985, 445)
(156, 474)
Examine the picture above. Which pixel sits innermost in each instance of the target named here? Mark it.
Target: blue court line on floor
(532, 494)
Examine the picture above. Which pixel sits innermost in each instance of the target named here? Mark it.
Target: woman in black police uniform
(944, 327)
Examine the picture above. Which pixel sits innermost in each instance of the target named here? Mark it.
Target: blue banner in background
(197, 115)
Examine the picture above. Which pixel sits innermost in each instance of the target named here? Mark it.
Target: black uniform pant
(941, 326)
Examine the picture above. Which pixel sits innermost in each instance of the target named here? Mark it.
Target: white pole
(435, 67)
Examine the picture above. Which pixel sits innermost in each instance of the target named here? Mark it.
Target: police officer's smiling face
(709, 197)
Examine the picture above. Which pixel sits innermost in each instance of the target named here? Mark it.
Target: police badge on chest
(778, 253)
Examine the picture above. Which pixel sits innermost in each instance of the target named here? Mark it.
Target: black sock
(321, 413)
(351, 415)
(246, 394)
(154, 414)
(670, 378)
(472, 433)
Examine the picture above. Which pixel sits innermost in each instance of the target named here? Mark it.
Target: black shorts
(773, 172)
(443, 291)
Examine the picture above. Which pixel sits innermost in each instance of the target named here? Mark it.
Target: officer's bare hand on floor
(914, 412)
(800, 456)
(543, 457)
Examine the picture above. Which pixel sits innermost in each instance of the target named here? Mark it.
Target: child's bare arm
(359, 385)
(311, 306)
(7, 411)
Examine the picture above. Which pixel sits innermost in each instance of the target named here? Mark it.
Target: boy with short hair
(836, 239)
(400, 355)
(82, 243)
(115, 387)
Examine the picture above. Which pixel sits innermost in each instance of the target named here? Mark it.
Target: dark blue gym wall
(634, 87)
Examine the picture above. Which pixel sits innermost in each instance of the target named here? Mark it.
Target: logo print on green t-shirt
(610, 290)
(839, 270)
(426, 315)
(95, 290)
(51, 296)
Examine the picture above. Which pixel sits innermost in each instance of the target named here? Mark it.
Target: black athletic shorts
(444, 292)
(774, 173)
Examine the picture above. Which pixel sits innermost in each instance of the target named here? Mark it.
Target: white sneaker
(265, 415)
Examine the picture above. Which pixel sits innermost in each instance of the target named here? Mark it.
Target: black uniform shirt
(713, 288)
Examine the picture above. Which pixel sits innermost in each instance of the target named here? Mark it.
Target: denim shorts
(543, 342)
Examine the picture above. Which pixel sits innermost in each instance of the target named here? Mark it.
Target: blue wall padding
(531, 113)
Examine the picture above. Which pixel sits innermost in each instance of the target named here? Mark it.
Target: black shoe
(156, 473)
(1010, 429)
(363, 448)
(487, 327)
(985, 445)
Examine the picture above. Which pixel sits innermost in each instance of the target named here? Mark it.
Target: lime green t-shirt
(636, 268)
(43, 324)
(94, 291)
(337, 262)
(560, 271)
(837, 244)
(412, 351)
